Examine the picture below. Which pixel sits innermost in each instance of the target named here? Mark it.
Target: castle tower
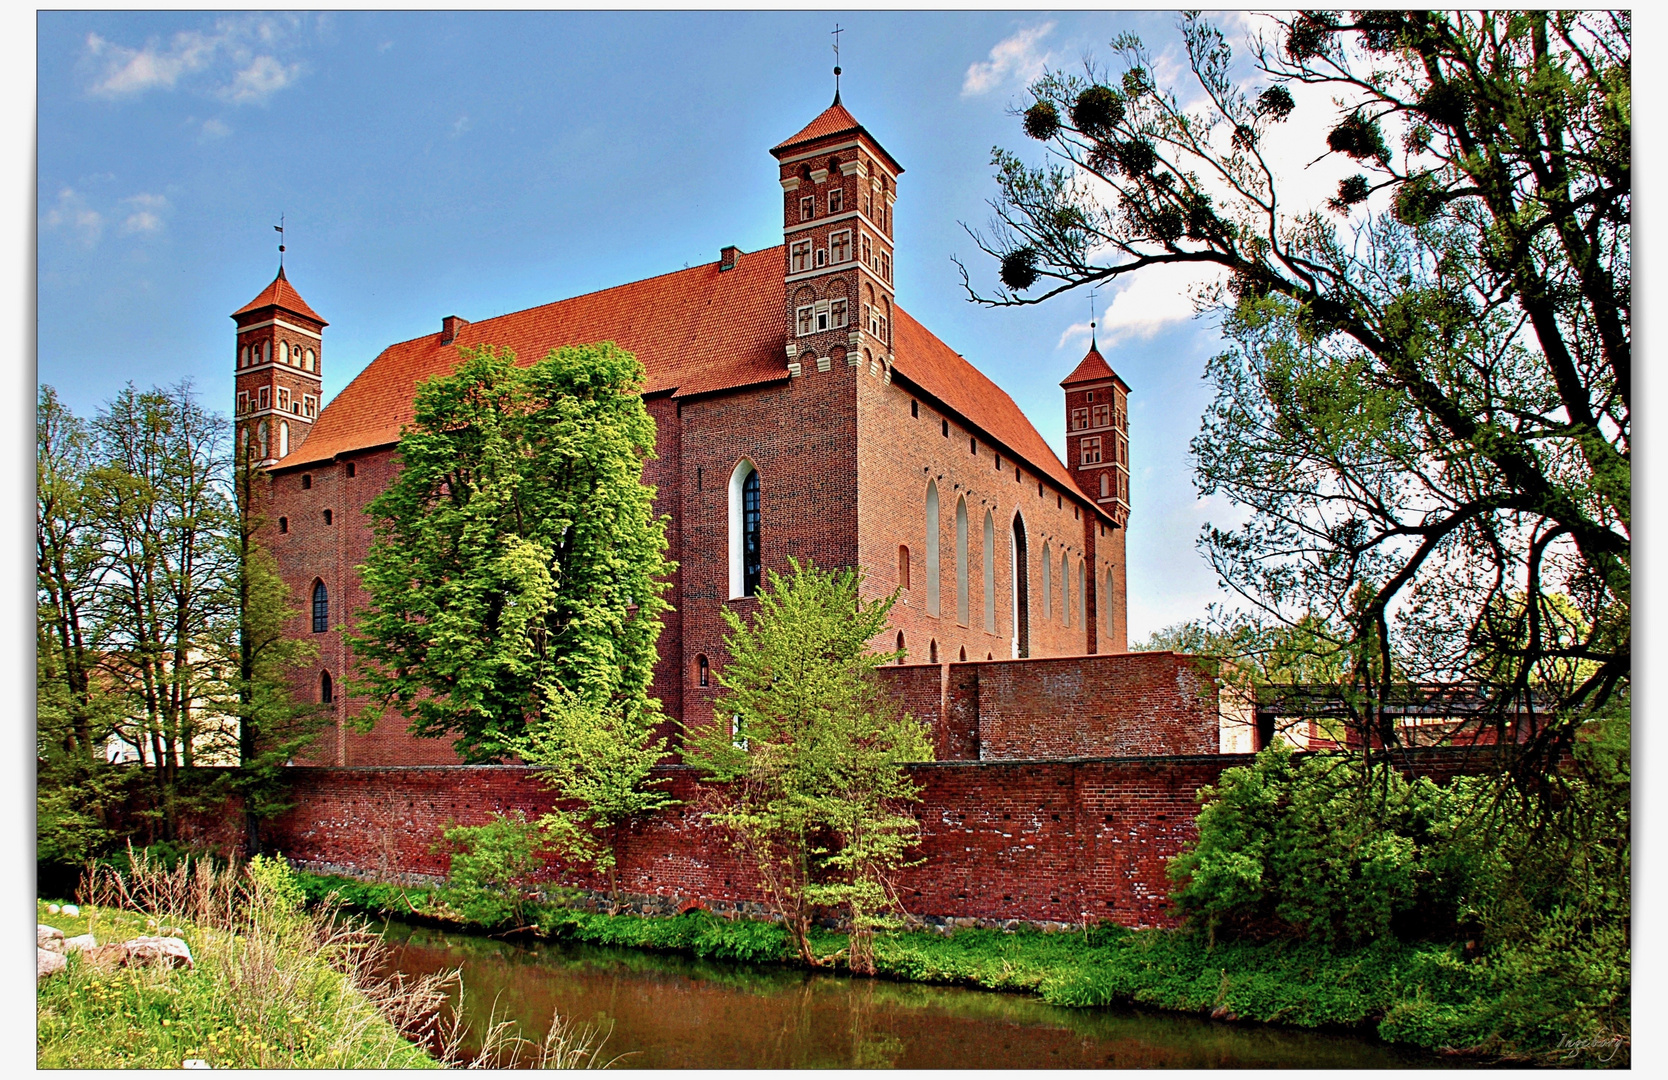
(280, 357)
(838, 189)
(1097, 433)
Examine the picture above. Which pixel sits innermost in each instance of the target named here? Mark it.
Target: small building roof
(831, 122)
(280, 294)
(1092, 368)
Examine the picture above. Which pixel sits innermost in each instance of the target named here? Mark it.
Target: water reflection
(679, 1012)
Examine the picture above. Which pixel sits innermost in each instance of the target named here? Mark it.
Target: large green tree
(516, 581)
(809, 755)
(1425, 408)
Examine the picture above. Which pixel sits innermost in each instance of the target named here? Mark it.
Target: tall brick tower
(1097, 433)
(838, 189)
(280, 357)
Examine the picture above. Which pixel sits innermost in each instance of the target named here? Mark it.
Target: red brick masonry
(1056, 841)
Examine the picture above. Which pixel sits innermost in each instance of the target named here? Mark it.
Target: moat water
(666, 1011)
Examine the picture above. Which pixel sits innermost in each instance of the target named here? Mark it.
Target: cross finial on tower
(280, 228)
(837, 32)
(1092, 290)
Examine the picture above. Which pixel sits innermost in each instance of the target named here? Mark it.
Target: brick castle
(800, 412)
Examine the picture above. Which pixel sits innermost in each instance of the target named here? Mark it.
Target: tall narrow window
(321, 608)
(903, 566)
(988, 554)
(1082, 599)
(932, 651)
(839, 246)
(1108, 607)
(1021, 591)
(962, 616)
(932, 548)
(283, 524)
(901, 653)
(807, 207)
(745, 540)
(1048, 582)
(1065, 589)
(283, 438)
(1103, 486)
(836, 200)
(327, 692)
(703, 674)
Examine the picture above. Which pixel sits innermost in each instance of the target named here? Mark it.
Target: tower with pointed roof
(839, 186)
(280, 357)
(1097, 433)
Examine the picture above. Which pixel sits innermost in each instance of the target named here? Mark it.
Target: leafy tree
(814, 788)
(1426, 402)
(516, 552)
(273, 724)
(598, 759)
(491, 866)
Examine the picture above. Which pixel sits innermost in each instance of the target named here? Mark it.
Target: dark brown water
(678, 1012)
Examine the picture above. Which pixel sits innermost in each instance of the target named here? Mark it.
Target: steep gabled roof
(280, 294)
(936, 368)
(696, 331)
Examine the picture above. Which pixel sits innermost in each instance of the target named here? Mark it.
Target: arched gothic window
(903, 566)
(1048, 581)
(243, 356)
(932, 651)
(932, 547)
(989, 556)
(962, 616)
(321, 608)
(283, 438)
(310, 361)
(1021, 564)
(1107, 605)
(703, 674)
(901, 653)
(746, 558)
(327, 691)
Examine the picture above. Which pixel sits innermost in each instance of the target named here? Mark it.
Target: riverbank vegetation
(274, 985)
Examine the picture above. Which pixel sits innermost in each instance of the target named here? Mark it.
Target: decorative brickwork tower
(838, 189)
(280, 356)
(1097, 434)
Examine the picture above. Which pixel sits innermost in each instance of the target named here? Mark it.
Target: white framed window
(886, 266)
(243, 356)
(310, 360)
(283, 438)
(800, 256)
(242, 402)
(745, 547)
(309, 406)
(836, 200)
(266, 352)
(806, 320)
(867, 251)
(839, 246)
(283, 352)
(1089, 450)
(283, 399)
(807, 208)
(1101, 418)
(822, 256)
(822, 315)
(837, 312)
(1079, 419)
(263, 399)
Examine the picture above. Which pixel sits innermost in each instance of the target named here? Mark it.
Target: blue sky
(473, 164)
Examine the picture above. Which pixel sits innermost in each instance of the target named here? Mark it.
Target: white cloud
(259, 79)
(72, 215)
(461, 125)
(1015, 56)
(145, 214)
(225, 56)
(214, 128)
(1149, 301)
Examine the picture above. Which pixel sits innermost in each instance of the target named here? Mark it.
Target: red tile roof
(696, 331)
(834, 120)
(1093, 368)
(280, 294)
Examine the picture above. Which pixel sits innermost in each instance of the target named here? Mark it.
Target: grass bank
(1426, 995)
(273, 987)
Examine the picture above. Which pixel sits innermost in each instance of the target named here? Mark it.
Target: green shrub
(491, 867)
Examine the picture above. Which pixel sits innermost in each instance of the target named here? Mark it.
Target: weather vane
(837, 32)
(1092, 290)
(280, 228)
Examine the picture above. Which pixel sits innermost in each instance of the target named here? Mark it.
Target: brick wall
(1042, 842)
(1123, 705)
